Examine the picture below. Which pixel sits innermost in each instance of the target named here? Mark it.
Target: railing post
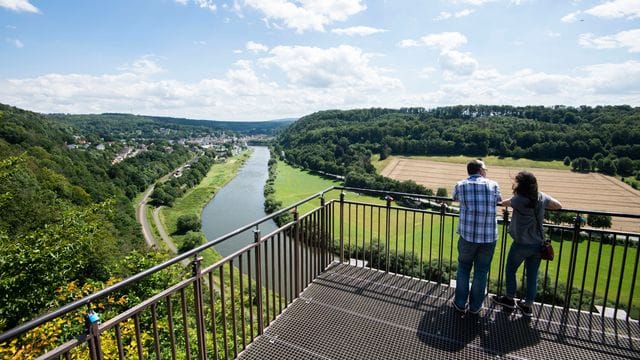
(443, 212)
(572, 260)
(503, 247)
(196, 271)
(256, 239)
(342, 227)
(387, 234)
(95, 346)
(323, 234)
(297, 267)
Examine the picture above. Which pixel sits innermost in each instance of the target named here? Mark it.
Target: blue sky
(267, 59)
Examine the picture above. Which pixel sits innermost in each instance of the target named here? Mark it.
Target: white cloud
(444, 15)
(625, 39)
(256, 47)
(314, 79)
(206, 4)
(447, 15)
(571, 17)
(145, 65)
(443, 41)
(552, 34)
(539, 83)
(357, 30)
(471, 2)
(629, 9)
(243, 93)
(310, 15)
(427, 72)
(19, 6)
(203, 4)
(15, 42)
(613, 78)
(457, 63)
(453, 62)
(408, 43)
(338, 67)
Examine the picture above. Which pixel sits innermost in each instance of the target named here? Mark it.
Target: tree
(192, 240)
(624, 166)
(608, 167)
(566, 161)
(186, 223)
(384, 153)
(581, 164)
(599, 221)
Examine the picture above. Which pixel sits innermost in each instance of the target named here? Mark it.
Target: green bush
(186, 223)
(191, 240)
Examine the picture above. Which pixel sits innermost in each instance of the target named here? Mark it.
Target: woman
(527, 232)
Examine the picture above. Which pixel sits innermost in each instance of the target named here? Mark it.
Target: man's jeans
(530, 254)
(479, 256)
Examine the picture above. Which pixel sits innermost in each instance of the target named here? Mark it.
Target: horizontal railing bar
(442, 198)
(146, 303)
(66, 347)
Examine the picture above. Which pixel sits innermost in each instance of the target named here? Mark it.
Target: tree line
(343, 142)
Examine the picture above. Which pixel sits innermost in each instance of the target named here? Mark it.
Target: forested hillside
(121, 126)
(603, 138)
(66, 213)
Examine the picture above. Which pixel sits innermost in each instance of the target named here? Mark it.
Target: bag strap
(538, 222)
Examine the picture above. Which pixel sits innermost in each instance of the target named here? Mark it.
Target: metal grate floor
(357, 313)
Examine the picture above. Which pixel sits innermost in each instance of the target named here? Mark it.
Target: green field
(419, 233)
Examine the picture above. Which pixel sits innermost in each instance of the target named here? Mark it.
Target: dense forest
(114, 126)
(602, 138)
(67, 212)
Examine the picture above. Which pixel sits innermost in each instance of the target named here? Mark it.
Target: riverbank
(195, 199)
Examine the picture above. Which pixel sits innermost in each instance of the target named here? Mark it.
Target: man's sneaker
(526, 309)
(504, 301)
(475, 312)
(458, 309)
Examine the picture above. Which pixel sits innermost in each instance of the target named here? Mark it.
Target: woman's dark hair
(527, 186)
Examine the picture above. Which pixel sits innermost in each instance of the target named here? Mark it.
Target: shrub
(191, 240)
(186, 223)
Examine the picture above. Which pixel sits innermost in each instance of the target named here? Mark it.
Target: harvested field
(590, 191)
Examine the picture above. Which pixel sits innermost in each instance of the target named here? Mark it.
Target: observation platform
(351, 312)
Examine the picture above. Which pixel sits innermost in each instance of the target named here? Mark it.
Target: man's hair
(474, 166)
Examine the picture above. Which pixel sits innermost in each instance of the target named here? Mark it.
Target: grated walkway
(356, 313)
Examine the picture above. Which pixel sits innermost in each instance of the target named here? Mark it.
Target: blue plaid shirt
(478, 197)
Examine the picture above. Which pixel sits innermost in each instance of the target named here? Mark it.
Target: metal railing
(219, 309)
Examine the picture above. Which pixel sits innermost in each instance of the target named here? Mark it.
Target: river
(238, 203)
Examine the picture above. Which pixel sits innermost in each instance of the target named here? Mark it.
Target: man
(478, 197)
